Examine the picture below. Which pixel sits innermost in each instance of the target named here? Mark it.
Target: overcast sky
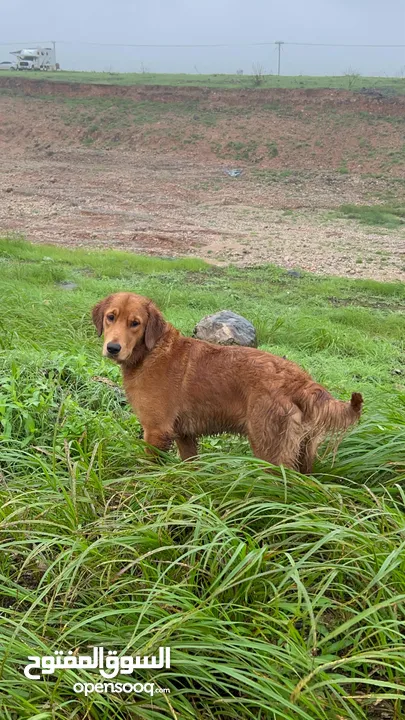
(237, 22)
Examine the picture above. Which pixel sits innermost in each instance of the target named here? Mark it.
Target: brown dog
(181, 388)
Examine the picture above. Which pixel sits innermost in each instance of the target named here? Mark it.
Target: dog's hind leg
(275, 431)
(187, 447)
(307, 454)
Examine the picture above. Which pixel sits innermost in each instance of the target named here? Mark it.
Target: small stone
(226, 328)
(294, 273)
(9, 189)
(67, 285)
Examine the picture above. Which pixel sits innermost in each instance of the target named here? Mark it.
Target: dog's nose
(113, 348)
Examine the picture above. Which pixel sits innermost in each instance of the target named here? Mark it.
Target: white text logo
(109, 664)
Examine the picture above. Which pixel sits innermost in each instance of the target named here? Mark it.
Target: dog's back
(274, 402)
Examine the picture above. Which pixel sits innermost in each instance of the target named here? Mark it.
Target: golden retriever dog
(181, 388)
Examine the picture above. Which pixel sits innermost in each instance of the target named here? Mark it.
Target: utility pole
(279, 43)
(54, 53)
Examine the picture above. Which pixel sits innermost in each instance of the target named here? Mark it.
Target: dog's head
(132, 325)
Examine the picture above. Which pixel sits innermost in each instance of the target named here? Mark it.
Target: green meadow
(281, 596)
(258, 78)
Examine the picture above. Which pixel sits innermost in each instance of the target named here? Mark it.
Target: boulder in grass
(226, 328)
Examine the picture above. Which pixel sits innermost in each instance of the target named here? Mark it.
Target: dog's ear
(155, 326)
(97, 314)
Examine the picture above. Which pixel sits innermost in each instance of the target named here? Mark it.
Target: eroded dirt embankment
(143, 168)
(367, 101)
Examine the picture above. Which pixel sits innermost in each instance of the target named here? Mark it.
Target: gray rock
(66, 285)
(294, 273)
(226, 328)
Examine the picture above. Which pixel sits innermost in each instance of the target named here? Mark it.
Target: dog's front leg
(158, 440)
(187, 447)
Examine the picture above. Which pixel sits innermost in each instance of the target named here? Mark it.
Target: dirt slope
(143, 168)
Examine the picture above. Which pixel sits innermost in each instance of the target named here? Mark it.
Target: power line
(205, 45)
(220, 45)
(343, 45)
(27, 42)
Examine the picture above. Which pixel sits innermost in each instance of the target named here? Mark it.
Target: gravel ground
(173, 206)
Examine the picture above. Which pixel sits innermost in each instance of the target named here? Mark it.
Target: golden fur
(181, 388)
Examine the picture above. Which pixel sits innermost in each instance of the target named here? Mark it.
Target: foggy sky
(237, 22)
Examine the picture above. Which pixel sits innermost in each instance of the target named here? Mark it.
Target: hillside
(144, 167)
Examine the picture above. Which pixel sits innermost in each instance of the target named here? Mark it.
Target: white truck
(40, 58)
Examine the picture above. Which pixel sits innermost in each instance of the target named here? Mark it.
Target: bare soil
(144, 169)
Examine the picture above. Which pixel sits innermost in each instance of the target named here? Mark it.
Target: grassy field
(281, 596)
(351, 81)
(380, 215)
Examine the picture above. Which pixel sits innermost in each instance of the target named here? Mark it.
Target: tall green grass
(281, 596)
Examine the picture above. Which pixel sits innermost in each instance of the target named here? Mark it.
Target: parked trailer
(39, 58)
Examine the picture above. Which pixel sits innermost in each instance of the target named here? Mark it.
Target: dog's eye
(134, 323)
(110, 317)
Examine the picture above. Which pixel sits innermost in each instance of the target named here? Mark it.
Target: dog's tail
(329, 416)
